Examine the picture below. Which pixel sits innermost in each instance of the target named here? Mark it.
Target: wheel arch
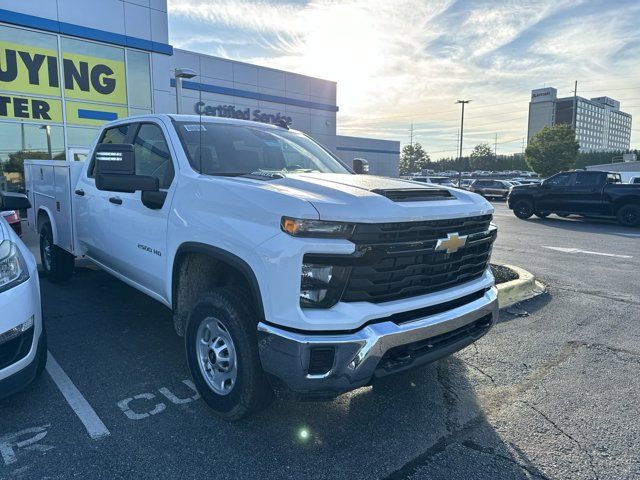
(43, 215)
(626, 200)
(215, 267)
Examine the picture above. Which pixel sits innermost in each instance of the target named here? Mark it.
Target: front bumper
(378, 349)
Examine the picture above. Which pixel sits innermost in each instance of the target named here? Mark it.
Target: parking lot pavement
(552, 394)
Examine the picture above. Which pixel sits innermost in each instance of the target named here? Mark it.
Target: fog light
(16, 331)
(321, 360)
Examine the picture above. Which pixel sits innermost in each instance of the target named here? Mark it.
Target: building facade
(68, 66)
(599, 123)
(382, 155)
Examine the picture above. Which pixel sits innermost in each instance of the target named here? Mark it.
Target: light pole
(179, 74)
(47, 128)
(463, 102)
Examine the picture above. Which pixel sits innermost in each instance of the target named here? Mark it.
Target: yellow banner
(35, 70)
(32, 109)
(80, 113)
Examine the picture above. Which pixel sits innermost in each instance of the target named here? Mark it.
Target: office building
(599, 123)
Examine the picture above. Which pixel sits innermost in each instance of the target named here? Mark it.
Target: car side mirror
(360, 166)
(13, 201)
(115, 170)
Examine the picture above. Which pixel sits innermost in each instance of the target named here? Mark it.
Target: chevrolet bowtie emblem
(452, 243)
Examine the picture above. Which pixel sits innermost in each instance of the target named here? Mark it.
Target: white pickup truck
(284, 269)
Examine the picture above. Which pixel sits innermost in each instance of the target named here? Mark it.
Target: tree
(552, 150)
(413, 159)
(482, 157)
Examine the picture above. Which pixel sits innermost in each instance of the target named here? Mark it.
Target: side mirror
(361, 166)
(115, 170)
(13, 201)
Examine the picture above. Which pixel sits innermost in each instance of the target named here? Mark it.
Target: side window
(560, 180)
(152, 154)
(584, 179)
(115, 134)
(110, 135)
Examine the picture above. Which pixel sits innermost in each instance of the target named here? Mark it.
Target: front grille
(399, 260)
(15, 349)
(375, 233)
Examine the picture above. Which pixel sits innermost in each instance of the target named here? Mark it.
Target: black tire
(58, 264)
(542, 214)
(629, 215)
(563, 215)
(250, 392)
(523, 209)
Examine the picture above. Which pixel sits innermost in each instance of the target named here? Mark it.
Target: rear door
(138, 233)
(584, 194)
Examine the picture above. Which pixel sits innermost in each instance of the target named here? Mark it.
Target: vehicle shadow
(525, 308)
(425, 423)
(585, 225)
(428, 422)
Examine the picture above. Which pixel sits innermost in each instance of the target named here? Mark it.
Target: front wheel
(57, 264)
(523, 209)
(222, 354)
(629, 215)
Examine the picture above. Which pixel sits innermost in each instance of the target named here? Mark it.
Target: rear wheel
(542, 214)
(563, 215)
(222, 354)
(57, 264)
(523, 209)
(629, 215)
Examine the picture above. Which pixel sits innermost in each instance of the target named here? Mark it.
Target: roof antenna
(282, 123)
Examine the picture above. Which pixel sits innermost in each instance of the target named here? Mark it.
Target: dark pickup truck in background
(586, 193)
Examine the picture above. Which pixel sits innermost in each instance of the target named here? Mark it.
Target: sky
(404, 62)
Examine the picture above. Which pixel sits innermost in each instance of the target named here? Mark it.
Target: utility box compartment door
(49, 184)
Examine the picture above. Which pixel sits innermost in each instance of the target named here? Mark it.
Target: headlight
(316, 228)
(321, 286)
(13, 269)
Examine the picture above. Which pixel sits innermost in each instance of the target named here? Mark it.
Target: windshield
(227, 149)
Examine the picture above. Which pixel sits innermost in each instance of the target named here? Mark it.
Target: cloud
(408, 61)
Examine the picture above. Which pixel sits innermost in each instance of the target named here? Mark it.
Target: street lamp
(179, 74)
(463, 102)
(47, 128)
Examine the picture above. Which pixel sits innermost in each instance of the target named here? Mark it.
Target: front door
(553, 194)
(92, 207)
(138, 233)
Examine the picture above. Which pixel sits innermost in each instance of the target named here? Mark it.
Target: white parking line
(577, 250)
(87, 415)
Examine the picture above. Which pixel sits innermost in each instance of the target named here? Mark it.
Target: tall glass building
(599, 123)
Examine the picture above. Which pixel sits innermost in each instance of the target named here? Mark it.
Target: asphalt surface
(553, 391)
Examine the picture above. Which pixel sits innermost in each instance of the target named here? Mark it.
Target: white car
(23, 343)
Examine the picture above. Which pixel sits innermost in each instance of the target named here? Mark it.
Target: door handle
(79, 192)
(115, 200)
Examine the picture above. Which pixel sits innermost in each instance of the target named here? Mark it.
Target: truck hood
(372, 199)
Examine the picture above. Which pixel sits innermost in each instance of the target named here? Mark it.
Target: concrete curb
(523, 288)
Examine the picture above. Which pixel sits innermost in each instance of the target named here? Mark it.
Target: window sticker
(195, 128)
